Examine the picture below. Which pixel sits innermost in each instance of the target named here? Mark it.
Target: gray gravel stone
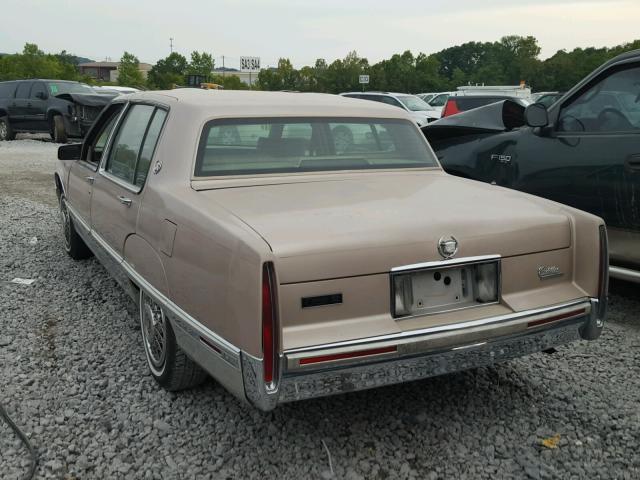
(74, 378)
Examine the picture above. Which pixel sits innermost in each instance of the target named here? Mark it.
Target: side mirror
(535, 115)
(70, 152)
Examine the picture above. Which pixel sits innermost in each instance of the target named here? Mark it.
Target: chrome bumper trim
(412, 334)
(416, 358)
(329, 382)
(622, 273)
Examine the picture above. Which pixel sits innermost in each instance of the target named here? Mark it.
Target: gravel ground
(73, 376)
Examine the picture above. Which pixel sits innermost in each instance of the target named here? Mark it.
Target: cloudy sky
(304, 30)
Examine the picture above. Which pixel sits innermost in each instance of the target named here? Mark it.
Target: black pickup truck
(61, 108)
(583, 151)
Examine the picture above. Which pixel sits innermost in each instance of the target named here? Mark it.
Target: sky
(304, 30)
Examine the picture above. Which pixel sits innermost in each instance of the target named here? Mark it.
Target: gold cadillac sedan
(297, 245)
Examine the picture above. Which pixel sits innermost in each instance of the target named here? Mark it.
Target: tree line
(508, 61)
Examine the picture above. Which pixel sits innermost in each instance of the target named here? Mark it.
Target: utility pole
(223, 69)
(171, 44)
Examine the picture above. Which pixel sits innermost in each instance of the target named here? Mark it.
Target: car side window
(38, 91)
(23, 90)
(7, 89)
(611, 105)
(128, 142)
(149, 146)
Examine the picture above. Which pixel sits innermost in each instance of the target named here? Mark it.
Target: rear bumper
(306, 373)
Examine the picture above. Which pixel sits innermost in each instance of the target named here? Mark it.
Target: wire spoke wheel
(66, 224)
(4, 133)
(154, 334)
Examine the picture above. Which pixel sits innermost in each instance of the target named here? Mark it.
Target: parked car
(462, 103)
(421, 112)
(288, 263)
(61, 108)
(584, 151)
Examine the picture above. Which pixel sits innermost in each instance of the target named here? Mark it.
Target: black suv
(62, 108)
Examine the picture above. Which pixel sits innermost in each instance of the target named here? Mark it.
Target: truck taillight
(269, 325)
(451, 108)
(603, 274)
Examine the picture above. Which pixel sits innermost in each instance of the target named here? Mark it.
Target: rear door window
(126, 147)
(134, 144)
(38, 92)
(23, 90)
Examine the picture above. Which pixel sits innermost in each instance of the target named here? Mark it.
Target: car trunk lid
(369, 223)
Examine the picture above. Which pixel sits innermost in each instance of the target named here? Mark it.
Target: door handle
(90, 179)
(29, 104)
(632, 163)
(125, 201)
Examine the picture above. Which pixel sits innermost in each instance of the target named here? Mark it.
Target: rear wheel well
(3, 113)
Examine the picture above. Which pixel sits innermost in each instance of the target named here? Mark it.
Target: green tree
(200, 64)
(168, 72)
(129, 73)
(229, 82)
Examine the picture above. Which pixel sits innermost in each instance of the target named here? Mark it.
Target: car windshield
(296, 145)
(414, 103)
(56, 88)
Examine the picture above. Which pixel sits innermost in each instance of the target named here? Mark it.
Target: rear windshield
(56, 88)
(274, 145)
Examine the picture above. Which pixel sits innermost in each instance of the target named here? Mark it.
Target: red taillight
(342, 356)
(555, 318)
(269, 332)
(451, 108)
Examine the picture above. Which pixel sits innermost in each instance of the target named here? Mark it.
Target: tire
(6, 132)
(58, 132)
(73, 243)
(167, 362)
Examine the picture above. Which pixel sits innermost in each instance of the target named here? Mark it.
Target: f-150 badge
(501, 158)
